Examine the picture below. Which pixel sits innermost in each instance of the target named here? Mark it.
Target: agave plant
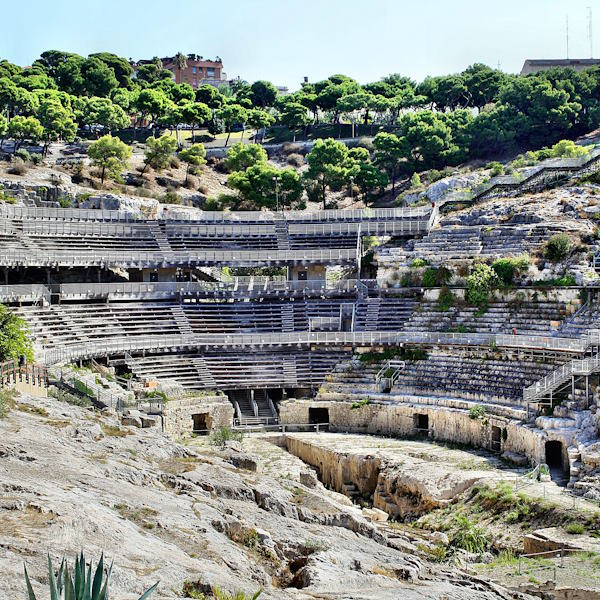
(79, 585)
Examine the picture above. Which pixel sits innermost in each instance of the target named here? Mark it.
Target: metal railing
(24, 293)
(104, 258)
(242, 286)
(117, 345)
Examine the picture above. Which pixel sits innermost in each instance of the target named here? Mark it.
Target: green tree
(195, 114)
(14, 336)
(263, 93)
(194, 155)
(369, 178)
(264, 185)
(328, 165)
(390, 153)
(232, 114)
(22, 129)
(102, 112)
(159, 151)
(180, 63)
(109, 153)
(119, 65)
(294, 115)
(210, 95)
(98, 78)
(3, 130)
(240, 157)
(259, 119)
(58, 123)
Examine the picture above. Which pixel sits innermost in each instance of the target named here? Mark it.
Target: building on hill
(199, 71)
(578, 64)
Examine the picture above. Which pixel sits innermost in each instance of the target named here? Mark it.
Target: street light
(276, 182)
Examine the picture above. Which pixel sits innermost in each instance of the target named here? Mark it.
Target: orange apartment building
(198, 71)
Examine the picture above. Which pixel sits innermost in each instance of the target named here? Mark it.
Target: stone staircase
(204, 373)
(264, 406)
(373, 305)
(290, 375)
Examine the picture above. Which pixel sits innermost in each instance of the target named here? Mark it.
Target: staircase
(160, 236)
(287, 317)
(182, 322)
(290, 375)
(241, 402)
(204, 373)
(281, 231)
(372, 320)
(265, 407)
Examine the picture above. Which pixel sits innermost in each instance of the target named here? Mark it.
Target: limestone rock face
(165, 512)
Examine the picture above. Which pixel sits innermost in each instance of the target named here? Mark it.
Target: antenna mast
(590, 32)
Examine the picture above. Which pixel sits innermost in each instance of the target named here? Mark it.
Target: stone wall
(178, 414)
(445, 424)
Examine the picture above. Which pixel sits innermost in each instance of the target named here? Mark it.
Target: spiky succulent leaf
(147, 593)
(104, 592)
(53, 586)
(31, 595)
(97, 584)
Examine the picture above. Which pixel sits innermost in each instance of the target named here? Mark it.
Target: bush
(415, 181)
(445, 299)
(477, 412)
(506, 268)
(23, 155)
(295, 160)
(469, 537)
(575, 528)
(225, 434)
(436, 277)
(18, 168)
(7, 398)
(170, 198)
(419, 262)
(558, 247)
(14, 340)
(480, 282)
(496, 168)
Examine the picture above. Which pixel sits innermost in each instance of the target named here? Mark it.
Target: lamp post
(352, 188)
(276, 182)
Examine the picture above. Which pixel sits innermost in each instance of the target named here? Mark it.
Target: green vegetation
(109, 153)
(159, 152)
(575, 528)
(14, 340)
(7, 401)
(360, 403)
(436, 277)
(79, 585)
(558, 247)
(195, 155)
(507, 268)
(446, 299)
(477, 412)
(223, 435)
(469, 536)
(482, 280)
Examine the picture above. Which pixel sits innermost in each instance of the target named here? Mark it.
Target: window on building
(194, 70)
(195, 83)
(210, 73)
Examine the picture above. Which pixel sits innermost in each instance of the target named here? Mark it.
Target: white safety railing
(132, 343)
(24, 293)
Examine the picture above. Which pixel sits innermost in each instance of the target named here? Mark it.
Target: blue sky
(284, 40)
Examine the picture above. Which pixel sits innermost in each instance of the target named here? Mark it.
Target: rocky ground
(72, 479)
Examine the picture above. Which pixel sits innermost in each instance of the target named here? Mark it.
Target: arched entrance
(557, 461)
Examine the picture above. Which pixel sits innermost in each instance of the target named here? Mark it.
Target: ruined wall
(445, 424)
(177, 414)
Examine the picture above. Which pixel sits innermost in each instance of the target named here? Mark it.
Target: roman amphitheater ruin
(135, 312)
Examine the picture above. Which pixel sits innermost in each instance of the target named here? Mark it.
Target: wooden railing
(13, 373)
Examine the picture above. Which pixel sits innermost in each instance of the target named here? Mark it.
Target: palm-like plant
(180, 62)
(80, 585)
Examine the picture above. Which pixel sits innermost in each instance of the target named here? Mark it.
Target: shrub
(170, 198)
(419, 262)
(242, 156)
(477, 412)
(506, 268)
(496, 168)
(18, 168)
(225, 434)
(558, 247)
(14, 340)
(436, 277)
(295, 160)
(479, 284)
(445, 299)
(575, 528)
(79, 585)
(415, 181)
(6, 402)
(23, 155)
(360, 403)
(469, 537)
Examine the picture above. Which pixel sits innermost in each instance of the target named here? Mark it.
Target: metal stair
(282, 233)
(158, 232)
(287, 317)
(204, 372)
(372, 319)
(182, 322)
(290, 375)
